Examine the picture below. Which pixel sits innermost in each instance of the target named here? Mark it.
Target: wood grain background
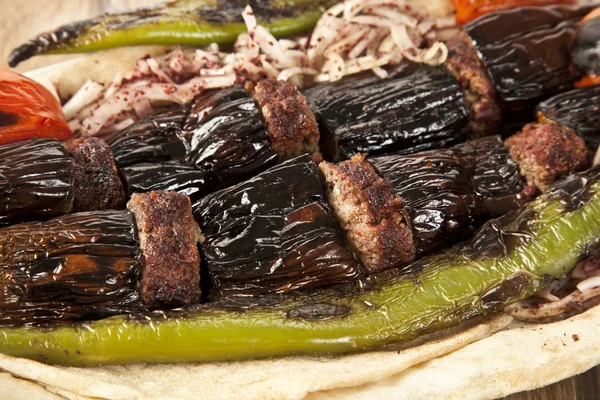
(21, 19)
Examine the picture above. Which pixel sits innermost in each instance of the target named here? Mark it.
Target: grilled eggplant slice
(578, 109)
(35, 180)
(417, 108)
(76, 267)
(273, 233)
(155, 139)
(228, 136)
(172, 176)
(449, 191)
(527, 51)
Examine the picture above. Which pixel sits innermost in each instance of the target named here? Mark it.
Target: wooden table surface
(21, 19)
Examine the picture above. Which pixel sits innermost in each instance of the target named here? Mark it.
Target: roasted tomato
(467, 10)
(28, 110)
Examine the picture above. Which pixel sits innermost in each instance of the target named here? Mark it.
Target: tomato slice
(467, 10)
(28, 110)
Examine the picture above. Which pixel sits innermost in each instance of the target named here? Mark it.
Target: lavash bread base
(277, 378)
(478, 364)
(475, 363)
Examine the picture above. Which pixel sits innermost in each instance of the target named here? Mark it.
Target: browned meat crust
(290, 122)
(464, 63)
(547, 152)
(373, 218)
(96, 183)
(168, 237)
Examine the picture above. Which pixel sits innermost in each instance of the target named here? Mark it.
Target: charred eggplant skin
(417, 108)
(527, 52)
(507, 260)
(273, 233)
(35, 181)
(448, 192)
(229, 139)
(181, 22)
(171, 176)
(156, 139)
(75, 267)
(578, 109)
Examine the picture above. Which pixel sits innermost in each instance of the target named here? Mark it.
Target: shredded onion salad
(352, 36)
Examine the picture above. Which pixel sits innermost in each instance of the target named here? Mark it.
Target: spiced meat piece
(290, 122)
(463, 62)
(96, 183)
(168, 237)
(547, 152)
(373, 218)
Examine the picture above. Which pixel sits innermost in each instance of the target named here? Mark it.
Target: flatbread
(282, 378)
(12, 388)
(522, 357)
(517, 357)
(65, 78)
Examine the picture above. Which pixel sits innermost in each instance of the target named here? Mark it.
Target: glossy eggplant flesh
(527, 52)
(448, 192)
(578, 109)
(417, 108)
(230, 139)
(76, 267)
(586, 47)
(155, 139)
(35, 181)
(273, 233)
(172, 176)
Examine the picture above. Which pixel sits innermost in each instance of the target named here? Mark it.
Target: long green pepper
(508, 259)
(181, 22)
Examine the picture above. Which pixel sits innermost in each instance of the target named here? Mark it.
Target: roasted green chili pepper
(507, 260)
(182, 22)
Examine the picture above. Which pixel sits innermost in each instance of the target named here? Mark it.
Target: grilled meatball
(168, 237)
(290, 122)
(96, 183)
(372, 216)
(481, 100)
(547, 152)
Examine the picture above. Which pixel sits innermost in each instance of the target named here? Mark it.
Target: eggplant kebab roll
(91, 265)
(396, 208)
